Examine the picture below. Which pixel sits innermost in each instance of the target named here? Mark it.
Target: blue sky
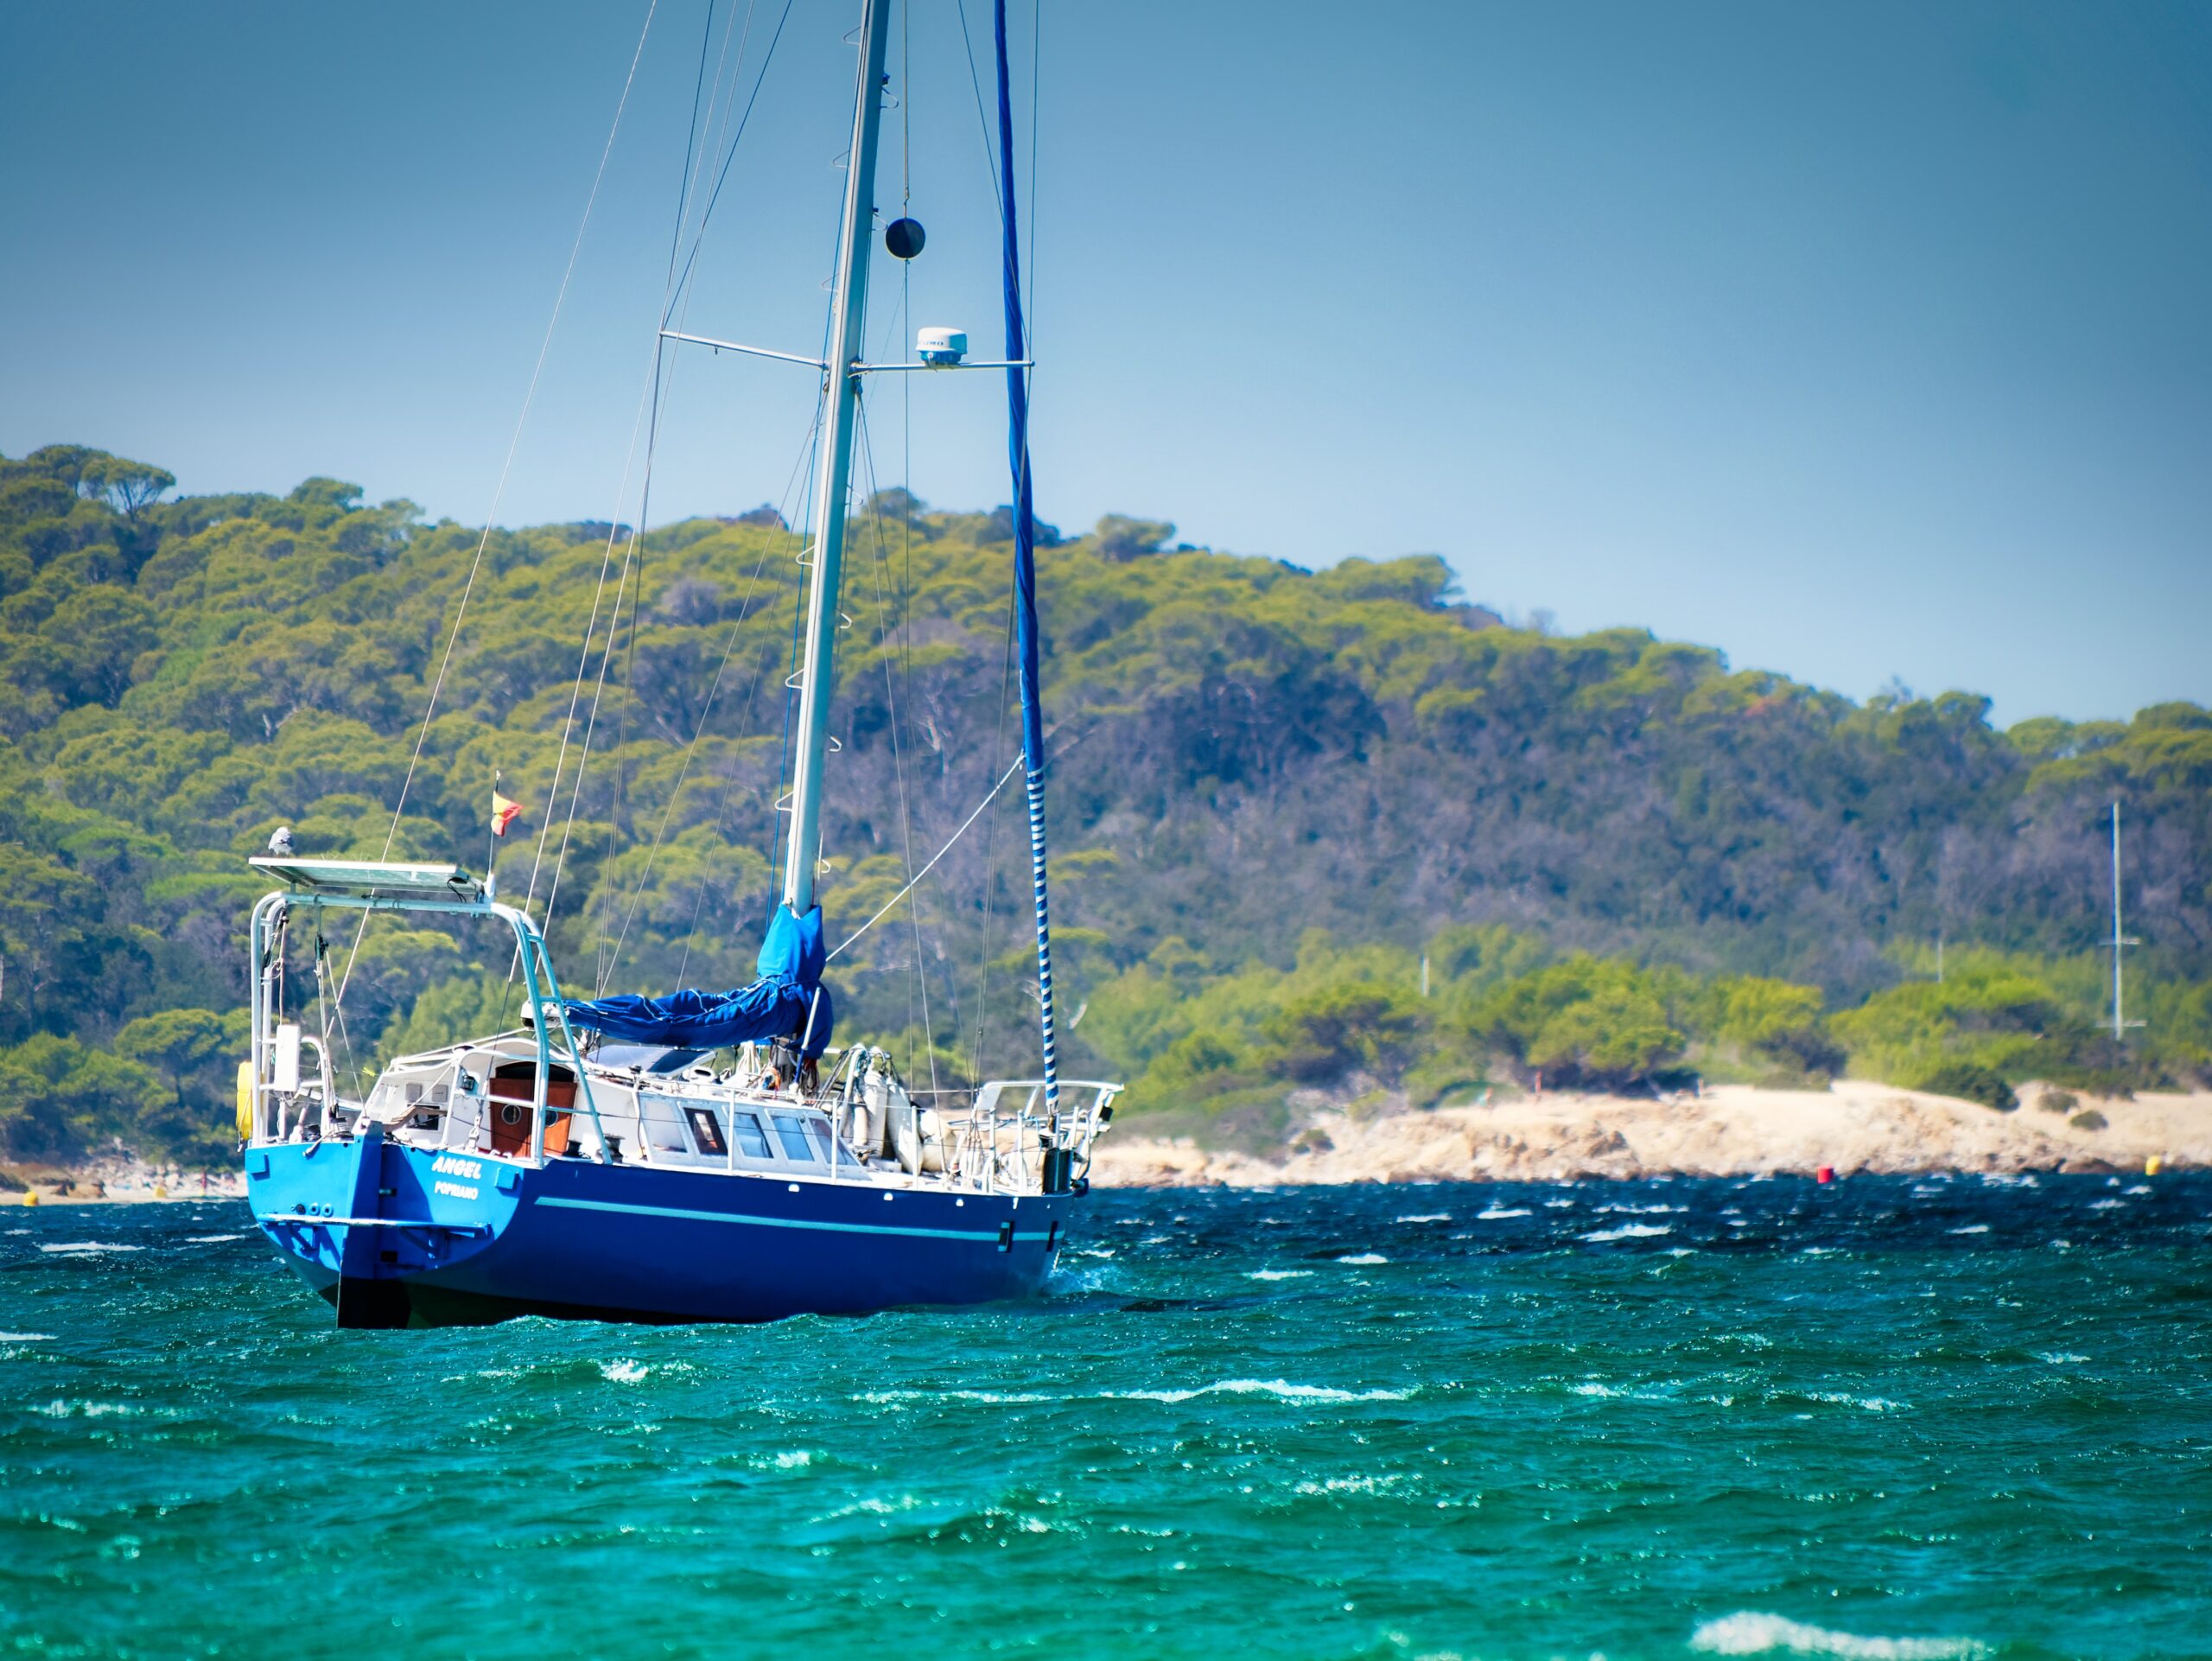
(1859, 341)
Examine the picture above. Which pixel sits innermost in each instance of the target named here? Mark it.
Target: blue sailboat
(597, 1161)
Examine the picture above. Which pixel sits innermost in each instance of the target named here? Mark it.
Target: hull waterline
(396, 1236)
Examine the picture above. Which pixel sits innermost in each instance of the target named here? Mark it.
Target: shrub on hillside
(1968, 1080)
(1587, 1021)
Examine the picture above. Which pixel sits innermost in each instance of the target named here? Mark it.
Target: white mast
(848, 315)
(2120, 942)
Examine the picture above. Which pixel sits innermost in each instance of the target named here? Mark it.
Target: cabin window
(706, 1130)
(791, 1130)
(752, 1141)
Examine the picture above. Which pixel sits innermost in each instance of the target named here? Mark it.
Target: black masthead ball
(903, 238)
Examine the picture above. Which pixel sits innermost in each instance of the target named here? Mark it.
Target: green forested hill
(1273, 792)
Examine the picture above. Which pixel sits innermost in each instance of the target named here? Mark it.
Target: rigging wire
(507, 467)
(730, 155)
(991, 854)
(898, 753)
(640, 545)
(675, 790)
(989, 796)
(802, 466)
(613, 532)
(659, 388)
(729, 646)
(654, 399)
(982, 121)
(921, 977)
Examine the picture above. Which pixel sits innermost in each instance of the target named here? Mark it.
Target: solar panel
(368, 877)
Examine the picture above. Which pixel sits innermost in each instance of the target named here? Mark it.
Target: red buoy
(1826, 1174)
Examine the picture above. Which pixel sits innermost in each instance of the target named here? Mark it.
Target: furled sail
(787, 1000)
(1025, 566)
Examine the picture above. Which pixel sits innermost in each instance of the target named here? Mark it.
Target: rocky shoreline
(1729, 1130)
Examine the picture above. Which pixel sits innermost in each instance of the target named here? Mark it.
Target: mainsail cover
(779, 1005)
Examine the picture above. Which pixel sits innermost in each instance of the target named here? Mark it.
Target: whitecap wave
(871, 1506)
(1870, 1403)
(1611, 1392)
(1748, 1633)
(25, 1338)
(1364, 1258)
(1278, 1274)
(58, 1408)
(210, 1239)
(1630, 1231)
(623, 1372)
(1426, 1217)
(84, 1248)
(1349, 1483)
(1499, 1213)
(1278, 1387)
(1970, 1228)
(993, 1397)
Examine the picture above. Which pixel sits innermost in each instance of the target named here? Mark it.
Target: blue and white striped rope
(1036, 782)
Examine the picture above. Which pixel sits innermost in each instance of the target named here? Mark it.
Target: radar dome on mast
(941, 348)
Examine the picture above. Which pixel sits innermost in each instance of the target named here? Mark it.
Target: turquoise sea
(1883, 1419)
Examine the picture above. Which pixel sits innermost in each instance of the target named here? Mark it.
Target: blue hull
(397, 1236)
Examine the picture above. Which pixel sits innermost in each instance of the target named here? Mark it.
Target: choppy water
(1886, 1419)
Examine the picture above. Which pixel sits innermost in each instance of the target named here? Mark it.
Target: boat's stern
(360, 1218)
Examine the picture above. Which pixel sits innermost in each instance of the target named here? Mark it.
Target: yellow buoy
(2151, 1166)
(31, 1196)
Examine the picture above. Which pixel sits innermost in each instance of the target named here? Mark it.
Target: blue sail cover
(1025, 563)
(774, 1006)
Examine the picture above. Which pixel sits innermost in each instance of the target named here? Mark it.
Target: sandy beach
(1852, 1126)
(1731, 1131)
(116, 1182)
